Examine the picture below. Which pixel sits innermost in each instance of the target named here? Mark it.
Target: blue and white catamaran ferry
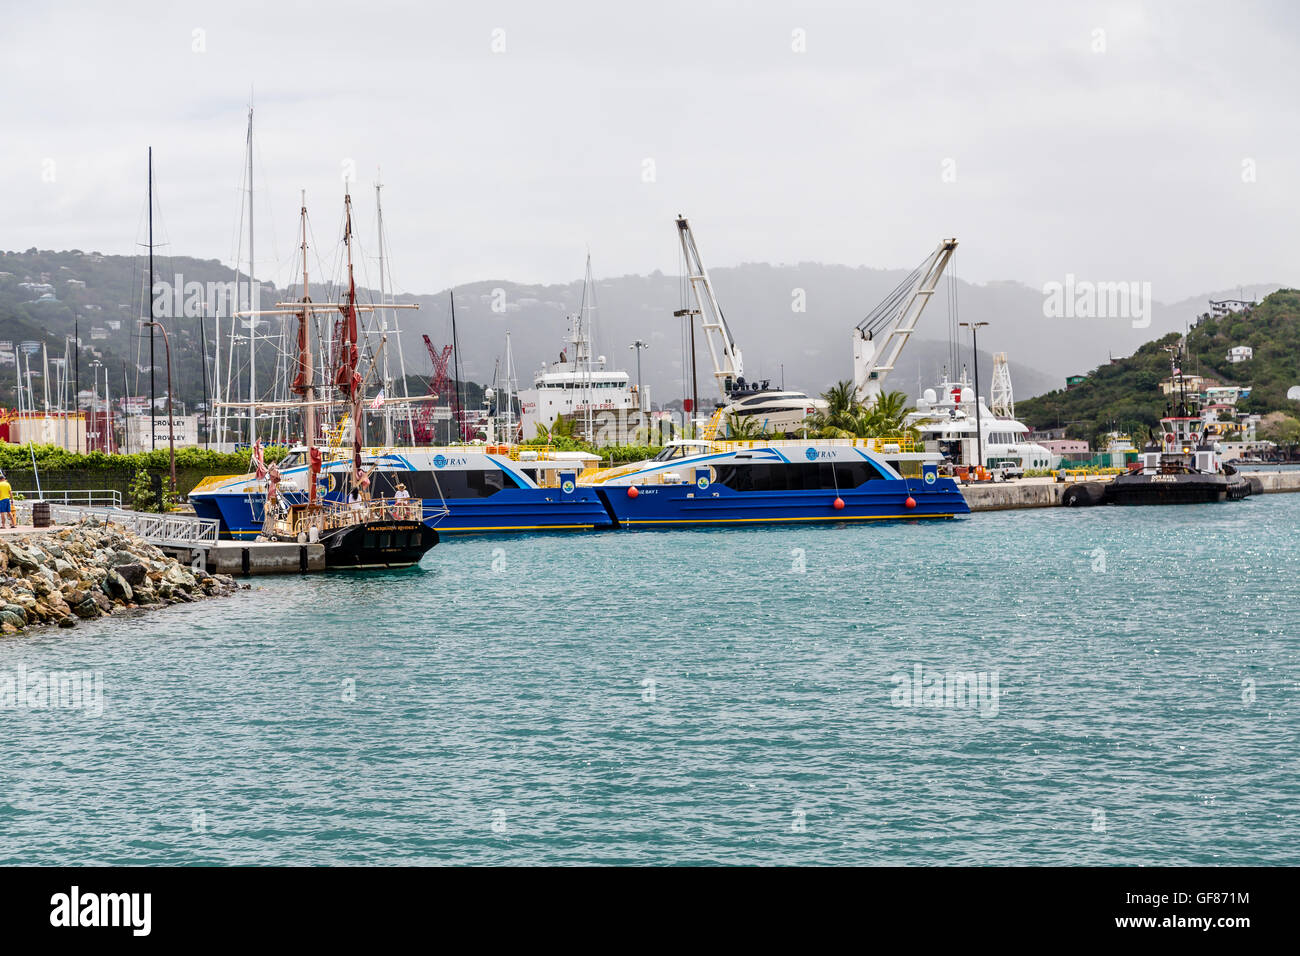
(485, 488)
(740, 482)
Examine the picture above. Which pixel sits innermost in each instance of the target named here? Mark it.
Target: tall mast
(303, 381)
(584, 325)
(383, 316)
(252, 304)
(510, 400)
(397, 332)
(455, 351)
(153, 398)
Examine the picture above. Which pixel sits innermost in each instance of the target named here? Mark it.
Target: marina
(862, 437)
(622, 742)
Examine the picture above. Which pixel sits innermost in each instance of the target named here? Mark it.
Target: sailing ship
(358, 528)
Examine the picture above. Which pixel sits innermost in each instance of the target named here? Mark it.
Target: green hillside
(102, 297)
(1125, 394)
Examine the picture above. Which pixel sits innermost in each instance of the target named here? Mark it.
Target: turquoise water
(692, 697)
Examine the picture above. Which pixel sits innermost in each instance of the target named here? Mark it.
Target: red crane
(439, 384)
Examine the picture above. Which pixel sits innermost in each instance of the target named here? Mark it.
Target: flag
(377, 402)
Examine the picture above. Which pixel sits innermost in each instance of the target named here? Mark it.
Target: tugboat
(1182, 466)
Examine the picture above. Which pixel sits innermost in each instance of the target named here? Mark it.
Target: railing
(164, 529)
(715, 422)
(340, 515)
(90, 497)
(885, 446)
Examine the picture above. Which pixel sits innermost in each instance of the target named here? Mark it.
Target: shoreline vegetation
(90, 570)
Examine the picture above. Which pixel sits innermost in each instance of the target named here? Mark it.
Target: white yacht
(779, 412)
(946, 419)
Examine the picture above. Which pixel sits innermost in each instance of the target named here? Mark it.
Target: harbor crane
(728, 366)
(878, 339)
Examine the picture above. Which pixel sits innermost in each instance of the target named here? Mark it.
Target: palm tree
(846, 417)
(744, 428)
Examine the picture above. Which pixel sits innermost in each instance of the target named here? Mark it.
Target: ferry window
(797, 476)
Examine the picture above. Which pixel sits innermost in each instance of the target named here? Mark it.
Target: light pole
(638, 345)
(171, 428)
(975, 351)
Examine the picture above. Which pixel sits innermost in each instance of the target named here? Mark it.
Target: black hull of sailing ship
(378, 544)
(1182, 489)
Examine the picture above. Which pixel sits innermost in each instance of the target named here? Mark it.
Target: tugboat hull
(378, 544)
(1181, 489)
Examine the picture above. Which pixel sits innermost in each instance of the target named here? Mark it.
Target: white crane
(878, 339)
(728, 366)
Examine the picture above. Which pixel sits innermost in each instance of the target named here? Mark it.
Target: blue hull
(685, 504)
(513, 509)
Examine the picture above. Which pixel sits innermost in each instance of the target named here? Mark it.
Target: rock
(117, 587)
(87, 609)
(16, 618)
(68, 621)
(19, 558)
(133, 573)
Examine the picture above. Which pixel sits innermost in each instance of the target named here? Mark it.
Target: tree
(744, 428)
(846, 417)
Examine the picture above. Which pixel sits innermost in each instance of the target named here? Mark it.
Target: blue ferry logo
(439, 461)
(567, 487)
(930, 477)
(811, 454)
(703, 482)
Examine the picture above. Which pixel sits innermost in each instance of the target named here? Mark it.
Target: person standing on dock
(6, 503)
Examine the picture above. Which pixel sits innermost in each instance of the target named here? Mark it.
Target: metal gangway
(163, 530)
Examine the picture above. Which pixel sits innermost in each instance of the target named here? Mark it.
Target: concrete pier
(1046, 492)
(246, 558)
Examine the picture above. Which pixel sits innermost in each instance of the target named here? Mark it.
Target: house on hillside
(1240, 353)
(1231, 307)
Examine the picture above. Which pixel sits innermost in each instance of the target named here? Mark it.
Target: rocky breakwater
(89, 570)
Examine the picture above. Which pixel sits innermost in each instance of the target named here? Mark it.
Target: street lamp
(171, 428)
(979, 434)
(638, 345)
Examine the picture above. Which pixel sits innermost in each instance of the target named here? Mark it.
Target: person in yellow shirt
(6, 503)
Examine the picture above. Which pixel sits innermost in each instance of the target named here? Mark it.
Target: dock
(1046, 492)
(247, 558)
(193, 540)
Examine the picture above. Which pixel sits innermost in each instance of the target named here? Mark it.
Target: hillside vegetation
(1125, 394)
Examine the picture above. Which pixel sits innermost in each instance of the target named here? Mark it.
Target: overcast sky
(1115, 141)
